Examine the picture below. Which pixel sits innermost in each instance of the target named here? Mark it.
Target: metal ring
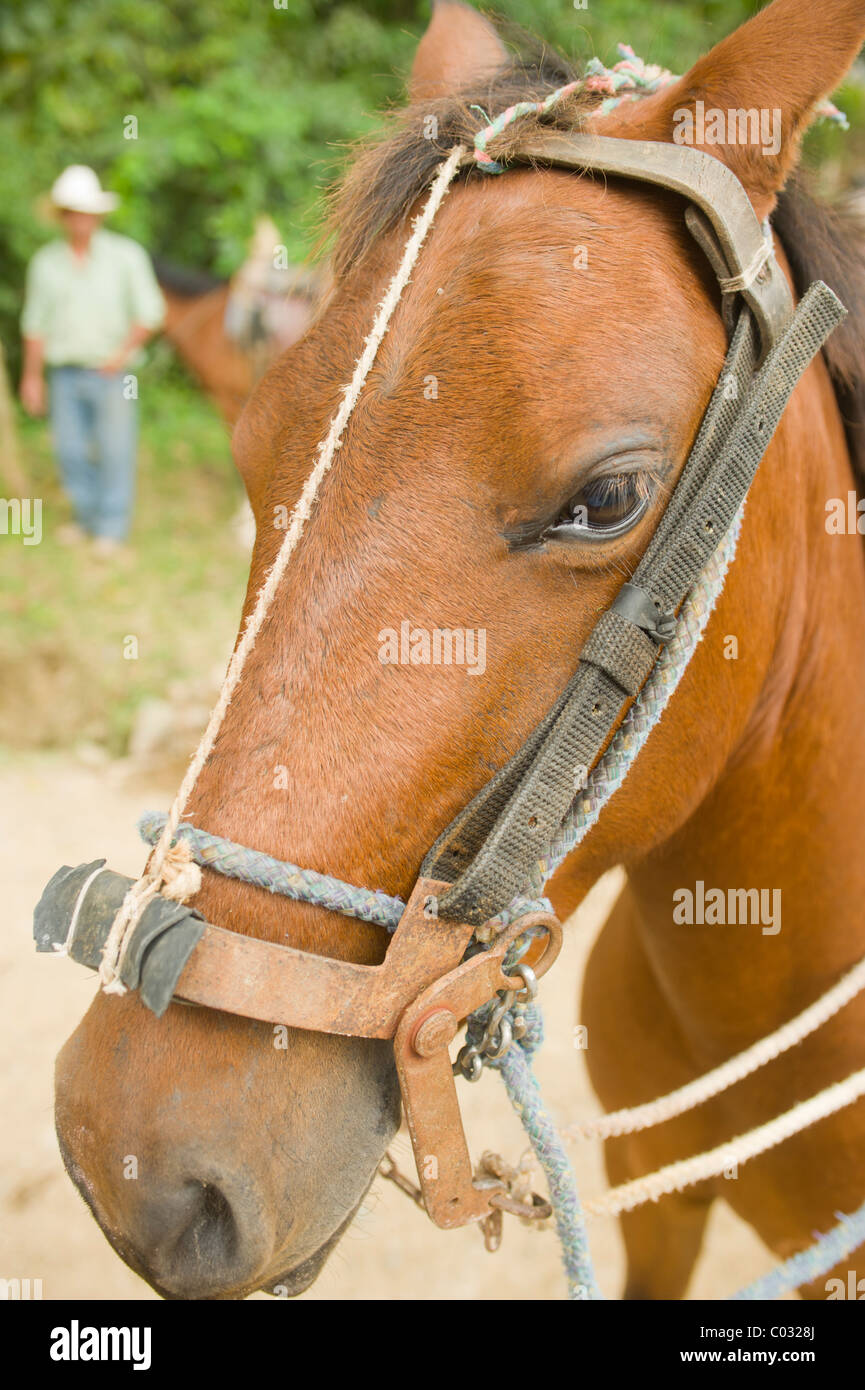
(468, 1064)
(551, 946)
(536, 1209)
(530, 983)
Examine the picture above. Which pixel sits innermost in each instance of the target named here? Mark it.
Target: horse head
(505, 467)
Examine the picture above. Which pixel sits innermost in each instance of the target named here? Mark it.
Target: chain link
(506, 1024)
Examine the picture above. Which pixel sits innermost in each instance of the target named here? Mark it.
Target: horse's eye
(603, 509)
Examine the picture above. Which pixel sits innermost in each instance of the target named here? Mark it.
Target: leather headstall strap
(489, 850)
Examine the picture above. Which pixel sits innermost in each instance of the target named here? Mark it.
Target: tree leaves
(241, 108)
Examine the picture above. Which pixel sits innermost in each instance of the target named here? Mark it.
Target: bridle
(436, 972)
(488, 852)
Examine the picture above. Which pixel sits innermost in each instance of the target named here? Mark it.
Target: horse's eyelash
(648, 480)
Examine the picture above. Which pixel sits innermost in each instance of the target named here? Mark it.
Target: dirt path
(55, 811)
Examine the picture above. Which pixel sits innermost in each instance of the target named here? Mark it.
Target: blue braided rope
(827, 1251)
(303, 885)
(277, 875)
(525, 1096)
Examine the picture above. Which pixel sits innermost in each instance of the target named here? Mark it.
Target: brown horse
(195, 317)
(560, 380)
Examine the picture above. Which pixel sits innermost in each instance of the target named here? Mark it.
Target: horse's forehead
(546, 276)
(522, 208)
(538, 259)
(523, 264)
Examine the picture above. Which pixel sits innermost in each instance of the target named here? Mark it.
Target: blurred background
(242, 110)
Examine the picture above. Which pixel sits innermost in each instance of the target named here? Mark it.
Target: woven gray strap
(489, 849)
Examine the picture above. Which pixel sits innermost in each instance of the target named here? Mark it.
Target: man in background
(91, 302)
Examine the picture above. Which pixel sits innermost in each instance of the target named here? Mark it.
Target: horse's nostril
(192, 1241)
(211, 1235)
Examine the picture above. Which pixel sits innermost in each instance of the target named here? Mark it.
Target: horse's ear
(751, 98)
(459, 48)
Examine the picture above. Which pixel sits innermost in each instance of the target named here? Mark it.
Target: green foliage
(243, 105)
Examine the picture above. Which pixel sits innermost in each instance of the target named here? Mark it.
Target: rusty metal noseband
(418, 996)
(432, 978)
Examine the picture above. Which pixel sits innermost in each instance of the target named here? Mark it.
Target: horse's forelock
(389, 174)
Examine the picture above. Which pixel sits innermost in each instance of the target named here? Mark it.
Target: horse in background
(228, 332)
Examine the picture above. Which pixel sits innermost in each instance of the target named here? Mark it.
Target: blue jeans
(95, 432)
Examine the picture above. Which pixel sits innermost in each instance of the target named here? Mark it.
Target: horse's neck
(787, 814)
(195, 328)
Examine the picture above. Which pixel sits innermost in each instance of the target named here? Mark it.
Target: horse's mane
(188, 284)
(828, 243)
(390, 173)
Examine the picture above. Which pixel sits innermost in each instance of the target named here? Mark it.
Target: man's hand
(33, 393)
(138, 335)
(114, 364)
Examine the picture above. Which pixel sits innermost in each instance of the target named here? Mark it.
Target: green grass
(65, 614)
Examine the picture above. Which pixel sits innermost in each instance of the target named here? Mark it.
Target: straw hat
(78, 189)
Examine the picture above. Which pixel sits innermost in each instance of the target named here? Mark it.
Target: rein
(476, 933)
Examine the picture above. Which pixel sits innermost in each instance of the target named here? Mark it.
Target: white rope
(676, 1176)
(655, 1112)
(146, 888)
(736, 283)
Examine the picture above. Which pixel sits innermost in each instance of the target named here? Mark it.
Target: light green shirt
(82, 310)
